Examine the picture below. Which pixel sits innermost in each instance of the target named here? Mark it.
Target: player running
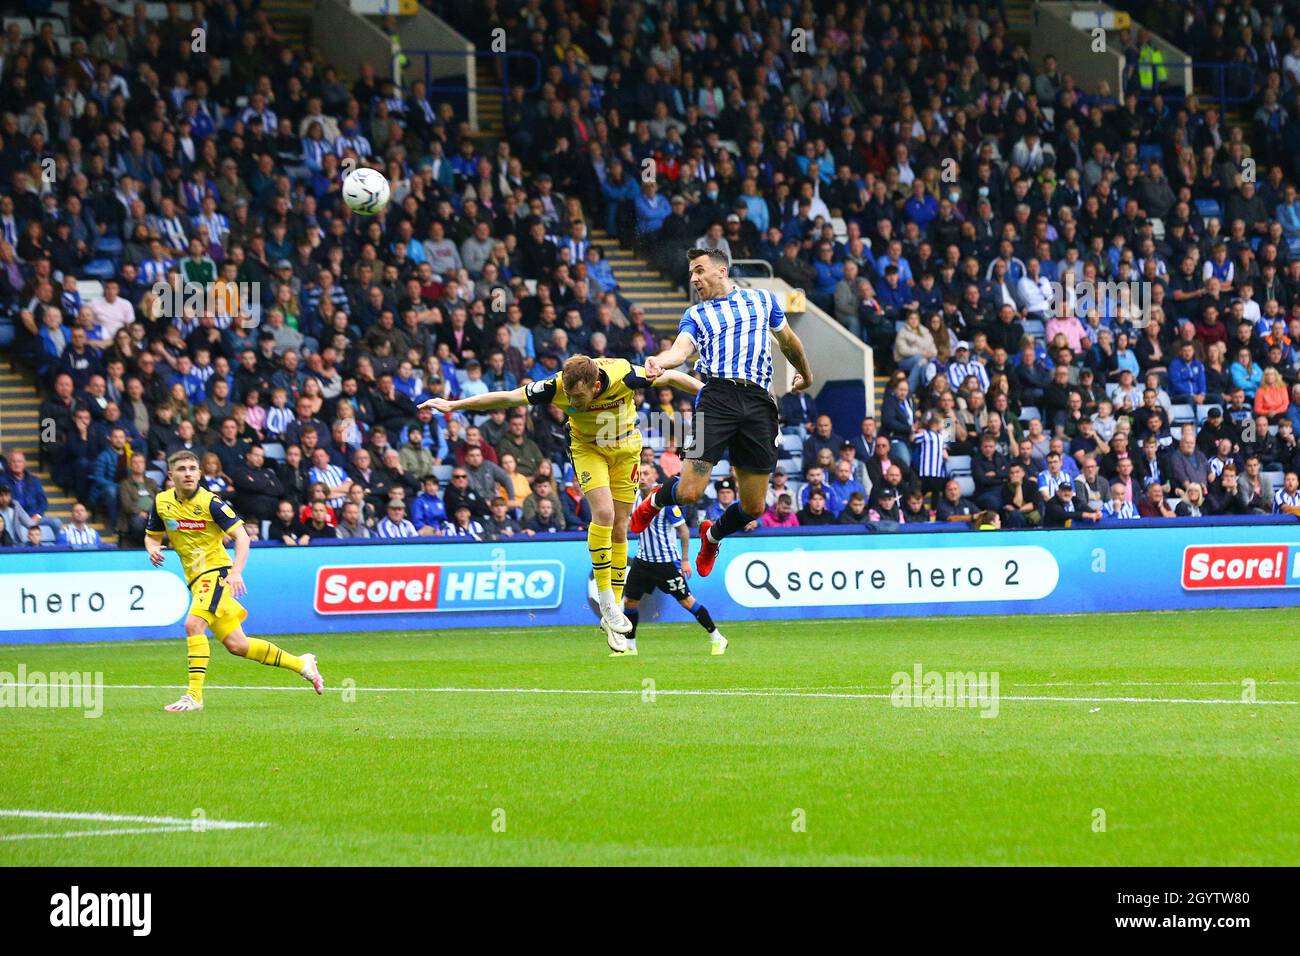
(196, 522)
(662, 563)
(735, 414)
(599, 397)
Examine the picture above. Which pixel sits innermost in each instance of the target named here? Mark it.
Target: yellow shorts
(211, 600)
(612, 468)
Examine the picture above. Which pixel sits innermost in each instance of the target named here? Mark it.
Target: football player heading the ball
(599, 397)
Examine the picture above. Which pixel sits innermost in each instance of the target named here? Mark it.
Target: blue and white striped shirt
(153, 271)
(731, 334)
(1048, 482)
(1282, 497)
(659, 542)
(958, 372)
(331, 476)
(1124, 511)
(929, 454)
(386, 528)
(86, 537)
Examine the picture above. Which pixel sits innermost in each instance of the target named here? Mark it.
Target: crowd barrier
(63, 595)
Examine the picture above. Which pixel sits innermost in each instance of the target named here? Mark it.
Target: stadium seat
(90, 289)
(1209, 209)
(1034, 327)
(794, 463)
(791, 444)
(1293, 245)
(7, 332)
(1150, 151)
(1030, 412)
(1202, 412)
(721, 470)
(102, 269)
(24, 25)
(792, 430)
(110, 246)
(967, 485)
(442, 473)
(273, 450)
(158, 475)
(1183, 414)
(1157, 229)
(1275, 476)
(959, 464)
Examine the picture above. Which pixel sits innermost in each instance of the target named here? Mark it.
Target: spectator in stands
(1153, 503)
(1286, 500)
(135, 495)
(427, 510)
(953, 506)
(855, 511)
(14, 516)
(394, 523)
(725, 489)
(79, 533)
(28, 491)
(886, 509)
(284, 527)
(318, 527)
(1187, 463)
(815, 512)
(799, 409)
(1021, 503)
(780, 513)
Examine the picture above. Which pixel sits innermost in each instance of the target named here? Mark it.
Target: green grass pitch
(1119, 739)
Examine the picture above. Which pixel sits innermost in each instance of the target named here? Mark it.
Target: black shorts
(644, 576)
(737, 421)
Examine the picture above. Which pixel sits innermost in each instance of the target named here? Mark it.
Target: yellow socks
(264, 652)
(598, 543)
(198, 651)
(618, 568)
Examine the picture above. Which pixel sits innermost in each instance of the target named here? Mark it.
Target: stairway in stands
(291, 20)
(491, 124)
(20, 406)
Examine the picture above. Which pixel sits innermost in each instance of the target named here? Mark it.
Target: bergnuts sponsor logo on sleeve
(444, 586)
(1216, 567)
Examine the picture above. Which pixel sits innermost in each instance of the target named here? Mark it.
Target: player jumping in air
(735, 414)
(599, 397)
(196, 522)
(661, 562)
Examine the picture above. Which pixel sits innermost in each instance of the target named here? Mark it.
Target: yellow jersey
(611, 419)
(195, 527)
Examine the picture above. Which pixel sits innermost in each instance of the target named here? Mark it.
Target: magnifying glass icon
(764, 578)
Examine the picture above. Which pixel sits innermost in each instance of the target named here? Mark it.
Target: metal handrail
(504, 59)
(1219, 71)
(753, 262)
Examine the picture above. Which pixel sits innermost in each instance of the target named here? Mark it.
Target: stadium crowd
(130, 158)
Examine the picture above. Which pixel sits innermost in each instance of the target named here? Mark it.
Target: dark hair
(716, 256)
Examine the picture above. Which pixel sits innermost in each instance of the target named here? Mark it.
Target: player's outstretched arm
(679, 352)
(679, 380)
(792, 348)
(478, 403)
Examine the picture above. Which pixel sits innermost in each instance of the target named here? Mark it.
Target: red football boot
(644, 513)
(708, 551)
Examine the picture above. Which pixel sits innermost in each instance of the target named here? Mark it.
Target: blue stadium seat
(967, 484)
(1034, 327)
(102, 269)
(1183, 414)
(1029, 412)
(1150, 152)
(791, 445)
(1202, 412)
(1293, 245)
(273, 450)
(959, 464)
(1209, 209)
(442, 473)
(7, 332)
(109, 246)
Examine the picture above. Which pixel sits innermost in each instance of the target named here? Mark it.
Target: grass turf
(377, 775)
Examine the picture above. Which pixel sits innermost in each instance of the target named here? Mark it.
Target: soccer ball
(366, 191)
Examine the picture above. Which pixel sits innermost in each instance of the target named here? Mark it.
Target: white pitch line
(90, 833)
(127, 818)
(701, 693)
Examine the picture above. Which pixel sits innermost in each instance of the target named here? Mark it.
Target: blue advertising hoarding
(62, 595)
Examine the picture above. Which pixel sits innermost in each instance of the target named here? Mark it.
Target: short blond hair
(579, 370)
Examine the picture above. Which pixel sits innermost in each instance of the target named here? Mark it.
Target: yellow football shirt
(196, 528)
(611, 419)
